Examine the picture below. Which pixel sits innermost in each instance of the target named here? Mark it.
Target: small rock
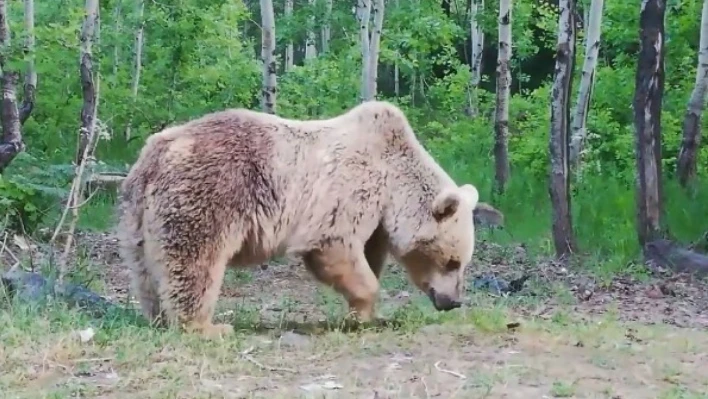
(294, 340)
(86, 335)
(403, 294)
(585, 295)
(654, 293)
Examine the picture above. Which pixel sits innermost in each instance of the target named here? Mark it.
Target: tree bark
(501, 123)
(290, 49)
(88, 31)
(310, 47)
(396, 72)
(135, 86)
(363, 12)
(686, 168)
(649, 84)
(327, 27)
(477, 45)
(30, 87)
(11, 143)
(268, 57)
(587, 79)
(378, 16)
(559, 190)
(118, 18)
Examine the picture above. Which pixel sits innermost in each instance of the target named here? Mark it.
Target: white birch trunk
(290, 49)
(310, 47)
(477, 45)
(562, 227)
(139, 38)
(268, 56)
(592, 48)
(363, 12)
(11, 142)
(692, 119)
(327, 27)
(118, 18)
(89, 36)
(396, 73)
(374, 46)
(501, 124)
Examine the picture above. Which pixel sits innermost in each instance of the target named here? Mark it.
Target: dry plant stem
(77, 190)
(246, 356)
(442, 370)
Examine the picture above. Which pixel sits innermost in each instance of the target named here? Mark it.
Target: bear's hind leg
(143, 285)
(145, 288)
(190, 292)
(349, 273)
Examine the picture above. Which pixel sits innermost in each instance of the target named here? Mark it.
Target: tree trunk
(289, 50)
(587, 80)
(30, 88)
(649, 84)
(363, 12)
(310, 48)
(268, 56)
(686, 168)
(118, 18)
(11, 143)
(477, 45)
(501, 123)
(396, 72)
(396, 80)
(139, 38)
(88, 31)
(327, 27)
(378, 15)
(559, 190)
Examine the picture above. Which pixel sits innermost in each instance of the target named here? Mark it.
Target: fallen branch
(669, 255)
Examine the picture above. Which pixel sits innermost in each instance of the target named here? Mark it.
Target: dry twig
(77, 191)
(246, 356)
(442, 370)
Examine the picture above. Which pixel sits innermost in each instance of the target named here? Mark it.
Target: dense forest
(515, 96)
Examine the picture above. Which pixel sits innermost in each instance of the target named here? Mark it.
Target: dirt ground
(564, 335)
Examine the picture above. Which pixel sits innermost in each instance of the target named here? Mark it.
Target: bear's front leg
(344, 268)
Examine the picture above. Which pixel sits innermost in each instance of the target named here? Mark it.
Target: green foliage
(204, 56)
(30, 190)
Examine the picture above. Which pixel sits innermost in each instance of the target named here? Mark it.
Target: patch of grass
(562, 390)
(99, 214)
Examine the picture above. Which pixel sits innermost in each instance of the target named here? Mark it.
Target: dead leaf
(21, 243)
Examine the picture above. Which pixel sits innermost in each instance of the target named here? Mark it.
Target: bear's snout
(443, 302)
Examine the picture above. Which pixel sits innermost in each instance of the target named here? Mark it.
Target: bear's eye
(453, 265)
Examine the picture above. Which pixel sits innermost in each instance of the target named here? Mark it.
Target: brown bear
(238, 187)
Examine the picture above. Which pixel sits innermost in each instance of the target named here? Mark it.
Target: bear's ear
(446, 204)
(471, 194)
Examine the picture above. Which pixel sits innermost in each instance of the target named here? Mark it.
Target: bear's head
(441, 249)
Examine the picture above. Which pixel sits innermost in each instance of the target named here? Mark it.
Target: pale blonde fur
(238, 187)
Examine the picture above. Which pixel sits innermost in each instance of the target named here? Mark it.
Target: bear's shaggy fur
(238, 187)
